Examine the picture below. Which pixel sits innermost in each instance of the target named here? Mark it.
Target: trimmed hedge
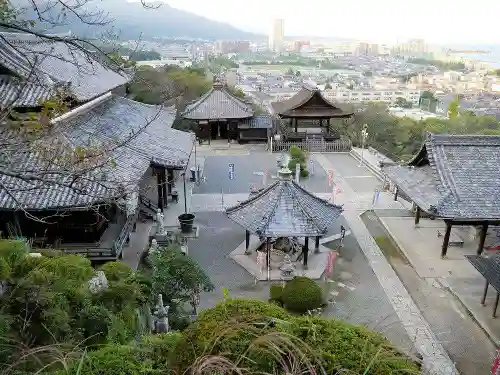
(276, 293)
(243, 331)
(302, 294)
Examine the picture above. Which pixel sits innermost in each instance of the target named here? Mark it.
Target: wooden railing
(146, 202)
(314, 145)
(124, 234)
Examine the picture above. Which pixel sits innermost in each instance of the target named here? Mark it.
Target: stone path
(435, 358)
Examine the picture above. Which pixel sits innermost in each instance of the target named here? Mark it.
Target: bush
(304, 172)
(259, 336)
(302, 294)
(297, 154)
(116, 271)
(111, 360)
(275, 293)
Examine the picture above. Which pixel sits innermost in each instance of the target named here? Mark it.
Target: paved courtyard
(411, 311)
(355, 302)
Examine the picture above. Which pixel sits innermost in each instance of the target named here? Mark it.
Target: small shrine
(279, 221)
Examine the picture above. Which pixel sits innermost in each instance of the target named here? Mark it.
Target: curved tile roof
(308, 102)
(131, 137)
(218, 104)
(285, 209)
(453, 176)
(45, 62)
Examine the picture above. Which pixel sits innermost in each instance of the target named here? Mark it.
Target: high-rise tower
(277, 35)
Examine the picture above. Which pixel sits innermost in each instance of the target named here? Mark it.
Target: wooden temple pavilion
(285, 209)
(221, 115)
(87, 207)
(455, 178)
(308, 113)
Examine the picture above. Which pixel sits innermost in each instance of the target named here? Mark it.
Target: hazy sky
(438, 21)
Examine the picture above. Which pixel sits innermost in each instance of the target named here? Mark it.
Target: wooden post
(296, 124)
(417, 215)
(164, 187)
(268, 257)
(247, 241)
(446, 239)
(316, 244)
(482, 238)
(170, 180)
(160, 189)
(396, 191)
(483, 300)
(306, 251)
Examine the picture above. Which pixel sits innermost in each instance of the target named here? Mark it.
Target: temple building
(307, 114)
(285, 210)
(221, 115)
(80, 181)
(454, 178)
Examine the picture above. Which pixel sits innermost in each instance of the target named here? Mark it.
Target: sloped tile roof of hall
(289, 106)
(453, 176)
(285, 209)
(16, 93)
(136, 135)
(46, 62)
(217, 104)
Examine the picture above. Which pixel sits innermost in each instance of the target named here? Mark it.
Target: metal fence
(314, 145)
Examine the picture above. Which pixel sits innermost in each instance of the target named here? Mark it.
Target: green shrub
(297, 154)
(304, 172)
(161, 347)
(246, 331)
(275, 293)
(302, 294)
(116, 271)
(112, 360)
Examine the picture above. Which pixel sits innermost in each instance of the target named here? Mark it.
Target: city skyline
(386, 21)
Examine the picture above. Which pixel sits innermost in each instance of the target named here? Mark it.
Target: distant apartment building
(238, 46)
(412, 48)
(383, 96)
(367, 49)
(277, 35)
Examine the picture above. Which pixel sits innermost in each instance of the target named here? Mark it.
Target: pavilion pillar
(417, 215)
(268, 256)
(247, 241)
(396, 192)
(170, 180)
(446, 239)
(160, 189)
(321, 123)
(316, 244)
(164, 186)
(296, 124)
(482, 238)
(305, 250)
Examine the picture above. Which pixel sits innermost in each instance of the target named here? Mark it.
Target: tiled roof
(297, 105)
(285, 209)
(45, 62)
(453, 176)
(257, 122)
(218, 104)
(15, 93)
(131, 135)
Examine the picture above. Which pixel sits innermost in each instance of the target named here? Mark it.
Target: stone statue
(98, 283)
(161, 316)
(154, 246)
(160, 225)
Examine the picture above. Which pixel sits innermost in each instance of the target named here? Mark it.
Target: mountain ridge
(131, 21)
